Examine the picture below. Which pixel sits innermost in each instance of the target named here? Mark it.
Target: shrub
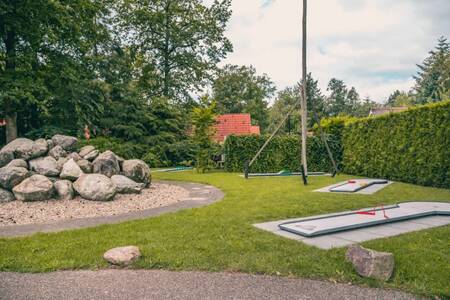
(412, 146)
(281, 153)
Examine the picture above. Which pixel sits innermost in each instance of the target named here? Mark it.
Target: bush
(281, 153)
(127, 150)
(412, 146)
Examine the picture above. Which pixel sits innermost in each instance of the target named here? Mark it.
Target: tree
(341, 100)
(46, 52)
(180, 41)
(203, 121)
(363, 108)
(433, 78)
(238, 89)
(400, 98)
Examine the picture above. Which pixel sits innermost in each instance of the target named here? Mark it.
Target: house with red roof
(234, 124)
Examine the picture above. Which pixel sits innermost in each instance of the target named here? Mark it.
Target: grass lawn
(221, 237)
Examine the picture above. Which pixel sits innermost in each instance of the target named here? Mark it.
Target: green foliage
(412, 146)
(283, 152)
(127, 150)
(203, 120)
(238, 89)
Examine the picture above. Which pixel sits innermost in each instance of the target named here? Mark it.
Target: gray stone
(371, 263)
(6, 196)
(76, 157)
(12, 176)
(86, 150)
(91, 155)
(61, 161)
(64, 189)
(50, 144)
(126, 186)
(68, 143)
(71, 170)
(34, 188)
(106, 163)
(85, 165)
(25, 148)
(40, 147)
(57, 152)
(95, 187)
(45, 166)
(137, 170)
(18, 163)
(122, 256)
(5, 157)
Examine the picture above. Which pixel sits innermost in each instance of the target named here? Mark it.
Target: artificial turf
(220, 237)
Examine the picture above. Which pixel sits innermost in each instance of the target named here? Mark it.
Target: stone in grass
(95, 187)
(64, 189)
(46, 166)
(106, 163)
(6, 196)
(126, 186)
(86, 150)
(12, 176)
(122, 256)
(85, 165)
(57, 152)
(91, 155)
(371, 263)
(71, 170)
(17, 163)
(35, 188)
(137, 170)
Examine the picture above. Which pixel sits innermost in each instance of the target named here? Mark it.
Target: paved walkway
(199, 195)
(141, 284)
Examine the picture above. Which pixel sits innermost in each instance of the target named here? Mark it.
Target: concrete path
(141, 284)
(199, 195)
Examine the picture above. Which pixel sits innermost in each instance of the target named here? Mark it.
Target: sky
(373, 45)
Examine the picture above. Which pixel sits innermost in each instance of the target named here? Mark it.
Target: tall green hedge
(412, 146)
(281, 153)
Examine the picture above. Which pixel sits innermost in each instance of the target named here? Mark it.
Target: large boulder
(106, 164)
(85, 165)
(137, 170)
(70, 170)
(68, 143)
(122, 256)
(18, 163)
(12, 176)
(57, 152)
(91, 155)
(64, 189)
(75, 156)
(86, 150)
(6, 156)
(371, 263)
(6, 196)
(61, 161)
(95, 187)
(34, 188)
(26, 148)
(45, 166)
(50, 144)
(126, 186)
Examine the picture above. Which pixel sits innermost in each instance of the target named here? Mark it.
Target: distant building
(386, 110)
(234, 124)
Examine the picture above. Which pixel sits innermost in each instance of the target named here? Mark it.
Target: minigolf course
(325, 224)
(284, 173)
(176, 169)
(355, 185)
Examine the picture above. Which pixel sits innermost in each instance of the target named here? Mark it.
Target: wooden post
(304, 108)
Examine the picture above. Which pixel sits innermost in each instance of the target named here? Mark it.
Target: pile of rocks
(44, 169)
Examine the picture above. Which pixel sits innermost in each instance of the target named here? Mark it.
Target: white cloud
(372, 45)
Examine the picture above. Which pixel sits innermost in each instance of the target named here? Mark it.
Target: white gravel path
(19, 213)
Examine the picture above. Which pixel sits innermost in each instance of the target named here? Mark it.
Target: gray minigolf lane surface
(369, 190)
(158, 284)
(199, 195)
(358, 235)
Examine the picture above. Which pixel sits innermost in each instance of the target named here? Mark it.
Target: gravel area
(19, 213)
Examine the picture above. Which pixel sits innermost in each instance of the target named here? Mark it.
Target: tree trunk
(304, 109)
(166, 53)
(11, 127)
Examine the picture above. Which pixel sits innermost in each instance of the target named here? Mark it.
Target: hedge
(412, 146)
(281, 153)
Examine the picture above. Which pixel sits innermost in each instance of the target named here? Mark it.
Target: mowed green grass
(220, 237)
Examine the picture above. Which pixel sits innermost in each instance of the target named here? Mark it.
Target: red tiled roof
(237, 124)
